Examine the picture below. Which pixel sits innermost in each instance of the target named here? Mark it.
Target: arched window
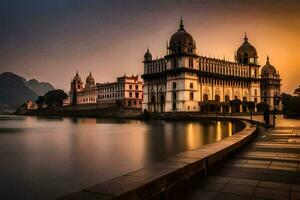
(205, 97)
(217, 98)
(191, 96)
(152, 99)
(191, 86)
(191, 65)
(174, 63)
(227, 99)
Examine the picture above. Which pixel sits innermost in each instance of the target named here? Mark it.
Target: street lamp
(276, 104)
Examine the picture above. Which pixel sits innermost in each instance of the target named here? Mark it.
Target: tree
(40, 102)
(291, 106)
(55, 98)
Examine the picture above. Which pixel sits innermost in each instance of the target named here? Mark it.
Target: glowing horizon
(50, 40)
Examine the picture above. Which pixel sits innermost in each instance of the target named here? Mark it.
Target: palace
(127, 91)
(185, 81)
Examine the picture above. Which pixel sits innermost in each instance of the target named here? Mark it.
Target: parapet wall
(170, 178)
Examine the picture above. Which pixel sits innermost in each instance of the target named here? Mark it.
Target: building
(184, 81)
(270, 85)
(127, 91)
(297, 91)
(29, 105)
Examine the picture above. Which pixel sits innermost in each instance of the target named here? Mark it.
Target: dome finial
(76, 72)
(268, 59)
(181, 26)
(246, 38)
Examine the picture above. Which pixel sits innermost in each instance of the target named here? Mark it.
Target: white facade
(127, 91)
(184, 81)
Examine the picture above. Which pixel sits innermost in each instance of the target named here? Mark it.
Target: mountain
(40, 88)
(15, 90)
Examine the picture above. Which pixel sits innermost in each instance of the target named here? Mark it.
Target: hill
(15, 90)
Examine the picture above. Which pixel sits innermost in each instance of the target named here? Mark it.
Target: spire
(246, 38)
(268, 59)
(76, 72)
(181, 26)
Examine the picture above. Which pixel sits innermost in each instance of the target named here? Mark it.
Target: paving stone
(296, 188)
(211, 186)
(295, 196)
(283, 168)
(275, 185)
(239, 189)
(192, 154)
(82, 195)
(201, 195)
(218, 179)
(118, 185)
(226, 196)
(242, 181)
(288, 164)
(259, 162)
(182, 159)
(271, 194)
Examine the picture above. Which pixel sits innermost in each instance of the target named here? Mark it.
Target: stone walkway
(269, 168)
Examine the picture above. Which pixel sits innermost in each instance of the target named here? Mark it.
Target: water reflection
(50, 157)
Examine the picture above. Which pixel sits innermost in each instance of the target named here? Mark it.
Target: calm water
(45, 158)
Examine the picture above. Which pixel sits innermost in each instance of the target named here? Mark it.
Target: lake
(46, 158)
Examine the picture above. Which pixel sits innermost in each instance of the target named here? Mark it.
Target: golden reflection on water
(218, 131)
(194, 137)
(229, 129)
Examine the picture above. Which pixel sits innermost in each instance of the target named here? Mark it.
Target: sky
(51, 39)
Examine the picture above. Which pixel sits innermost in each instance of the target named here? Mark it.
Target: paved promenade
(268, 168)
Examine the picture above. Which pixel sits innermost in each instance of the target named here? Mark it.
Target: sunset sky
(50, 39)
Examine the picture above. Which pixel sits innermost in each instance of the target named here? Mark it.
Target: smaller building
(297, 91)
(270, 86)
(31, 105)
(127, 91)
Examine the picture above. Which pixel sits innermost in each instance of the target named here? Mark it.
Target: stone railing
(170, 178)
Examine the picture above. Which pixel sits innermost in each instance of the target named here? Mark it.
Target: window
(136, 95)
(191, 63)
(174, 86)
(130, 94)
(129, 103)
(136, 87)
(191, 86)
(174, 63)
(130, 87)
(191, 96)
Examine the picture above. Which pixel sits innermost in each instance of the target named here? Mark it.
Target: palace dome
(90, 79)
(246, 53)
(297, 91)
(247, 48)
(148, 55)
(268, 69)
(77, 78)
(181, 38)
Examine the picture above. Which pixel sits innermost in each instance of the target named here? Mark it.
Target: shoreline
(174, 175)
